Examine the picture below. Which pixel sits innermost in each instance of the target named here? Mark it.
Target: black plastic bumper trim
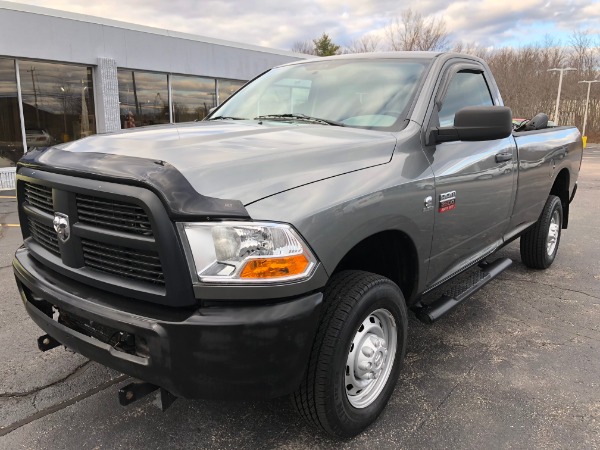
(248, 352)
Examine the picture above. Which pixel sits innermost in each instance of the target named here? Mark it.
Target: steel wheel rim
(553, 233)
(370, 358)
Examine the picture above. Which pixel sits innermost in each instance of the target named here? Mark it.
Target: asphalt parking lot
(516, 366)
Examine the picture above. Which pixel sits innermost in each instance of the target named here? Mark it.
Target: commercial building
(64, 76)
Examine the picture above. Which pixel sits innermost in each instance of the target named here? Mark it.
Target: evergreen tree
(324, 46)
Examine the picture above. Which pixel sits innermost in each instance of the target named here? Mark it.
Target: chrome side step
(458, 292)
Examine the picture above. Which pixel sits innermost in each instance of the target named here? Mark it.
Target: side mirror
(476, 123)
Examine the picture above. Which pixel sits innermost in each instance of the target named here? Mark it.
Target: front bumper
(238, 352)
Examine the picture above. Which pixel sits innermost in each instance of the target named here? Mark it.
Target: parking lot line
(7, 196)
(9, 225)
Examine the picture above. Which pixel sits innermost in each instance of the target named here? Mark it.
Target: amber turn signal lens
(275, 267)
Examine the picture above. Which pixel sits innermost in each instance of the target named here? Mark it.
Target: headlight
(242, 252)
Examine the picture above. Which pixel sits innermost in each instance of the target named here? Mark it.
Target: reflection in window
(227, 88)
(288, 95)
(11, 140)
(58, 103)
(193, 97)
(465, 89)
(143, 98)
(356, 92)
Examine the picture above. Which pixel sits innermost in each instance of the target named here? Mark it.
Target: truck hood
(246, 160)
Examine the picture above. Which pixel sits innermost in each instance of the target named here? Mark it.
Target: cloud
(278, 24)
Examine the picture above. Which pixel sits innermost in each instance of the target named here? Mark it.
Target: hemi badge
(447, 201)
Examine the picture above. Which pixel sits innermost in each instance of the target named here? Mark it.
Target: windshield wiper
(304, 117)
(227, 118)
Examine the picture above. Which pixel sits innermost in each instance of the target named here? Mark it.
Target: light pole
(62, 88)
(561, 70)
(587, 100)
(37, 110)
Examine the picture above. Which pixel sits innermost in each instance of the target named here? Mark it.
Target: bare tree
(583, 51)
(471, 49)
(521, 73)
(414, 32)
(365, 44)
(306, 47)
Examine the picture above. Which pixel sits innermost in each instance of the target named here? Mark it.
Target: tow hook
(47, 342)
(135, 391)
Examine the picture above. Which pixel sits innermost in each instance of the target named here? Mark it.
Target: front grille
(113, 214)
(44, 235)
(39, 196)
(126, 262)
(96, 252)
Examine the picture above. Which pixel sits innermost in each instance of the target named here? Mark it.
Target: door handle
(504, 156)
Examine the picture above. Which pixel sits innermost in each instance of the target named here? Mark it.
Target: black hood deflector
(176, 193)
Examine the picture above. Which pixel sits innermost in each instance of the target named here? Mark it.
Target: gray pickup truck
(277, 247)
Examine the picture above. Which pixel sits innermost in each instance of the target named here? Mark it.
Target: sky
(279, 24)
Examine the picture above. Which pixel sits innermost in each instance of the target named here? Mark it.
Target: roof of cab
(441, 57)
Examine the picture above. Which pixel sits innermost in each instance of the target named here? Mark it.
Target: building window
(143, 98)
(193, 97)
(11, 139)
(227, 88)
(58, 102)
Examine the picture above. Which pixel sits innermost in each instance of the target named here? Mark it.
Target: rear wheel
(356, 356)
(539, 244)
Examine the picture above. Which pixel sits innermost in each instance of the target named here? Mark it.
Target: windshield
(356, 93)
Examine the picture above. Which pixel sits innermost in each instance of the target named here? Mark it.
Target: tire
(348, 335)
(539, 244)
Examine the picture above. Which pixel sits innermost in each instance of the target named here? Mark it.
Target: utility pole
(587, 100)
(561, 70)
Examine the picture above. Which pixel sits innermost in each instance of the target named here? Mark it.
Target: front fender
(334, 215)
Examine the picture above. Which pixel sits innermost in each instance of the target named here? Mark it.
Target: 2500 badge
(447, 201)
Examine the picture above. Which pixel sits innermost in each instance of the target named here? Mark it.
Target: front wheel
(539, 244)
(356, 356)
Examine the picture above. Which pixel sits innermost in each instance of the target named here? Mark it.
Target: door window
(465, 89)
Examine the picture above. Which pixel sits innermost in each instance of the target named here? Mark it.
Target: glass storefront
(227, 88)
(58, 102)
(143, 98)
(11, 139)
(193, 97)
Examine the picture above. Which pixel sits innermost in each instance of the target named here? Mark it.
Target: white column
(106, 86)
(20, 97)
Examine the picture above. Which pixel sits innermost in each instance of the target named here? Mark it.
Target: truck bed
(544, 155)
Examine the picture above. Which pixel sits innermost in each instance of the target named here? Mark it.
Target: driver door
(474, 181)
